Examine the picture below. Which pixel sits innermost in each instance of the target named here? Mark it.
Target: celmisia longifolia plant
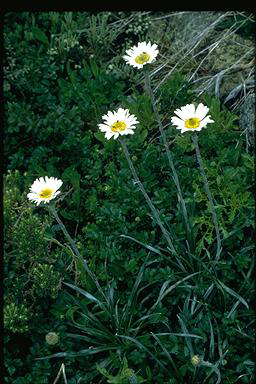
(120, 122)
(189, 118)
(138, 56)
(45, 190)
(193, 119)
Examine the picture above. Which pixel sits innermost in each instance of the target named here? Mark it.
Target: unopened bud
(195, 360)
(52, 338)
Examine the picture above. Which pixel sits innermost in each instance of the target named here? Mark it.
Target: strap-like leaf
(233, 293)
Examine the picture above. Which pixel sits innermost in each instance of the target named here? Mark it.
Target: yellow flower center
(142, 58)
(193, 122)
(46, 193)
(118, 126)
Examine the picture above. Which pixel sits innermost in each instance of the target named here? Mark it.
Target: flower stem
(170, 160)
(74, 247)
(209, 195)
(147, 198)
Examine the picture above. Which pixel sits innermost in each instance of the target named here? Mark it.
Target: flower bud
(52, 338)
(195, 360)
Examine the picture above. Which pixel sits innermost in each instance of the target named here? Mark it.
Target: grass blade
(83, 338)
(211, 339)
(149, 247)
(141, 346)
(88, 295)
(233, 293)
(127, 311)
(179, 334)
(83, 352)
(167, 354)
(188, 341)
(164, 291)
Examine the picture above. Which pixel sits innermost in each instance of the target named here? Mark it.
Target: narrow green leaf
(149, 247)
(91, 320)
(146, 317)
(179, 334)
(90, 340)
(127, 311)
(188, 341)
(66, 248)
(164, 291)
(233, 308)
(88, 295)
(169, 357)
(100, 334)
(96, 323)
(83, 352)
(110, 295)
(211, 339)
(141, 346)
(233, 293)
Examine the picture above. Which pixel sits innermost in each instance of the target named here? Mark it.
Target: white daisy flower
(118, 123)
(191, 118)
(44, 189)
(143, 53)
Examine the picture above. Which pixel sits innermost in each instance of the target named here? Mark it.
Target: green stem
(74, 247)
(170, 160)
(147, 198)
(209, 195)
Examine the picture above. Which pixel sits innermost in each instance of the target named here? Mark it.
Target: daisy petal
(188, 111)
(205, 121)
(201, 111)
(176, 121)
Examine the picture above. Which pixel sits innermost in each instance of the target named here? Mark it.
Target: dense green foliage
(62, 72)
